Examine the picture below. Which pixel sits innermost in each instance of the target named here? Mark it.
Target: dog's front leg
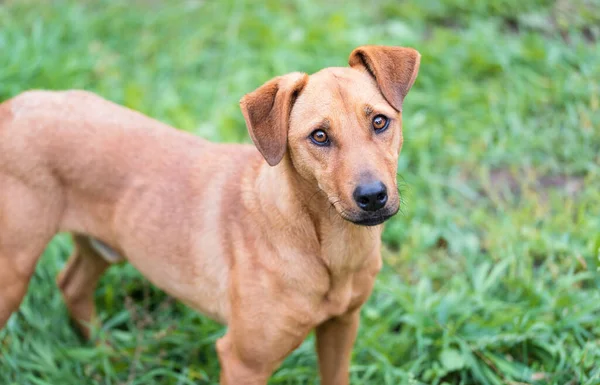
(251, 351)
(237, 369)
(335, 339)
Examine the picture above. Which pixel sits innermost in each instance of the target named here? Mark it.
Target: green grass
(491, 271)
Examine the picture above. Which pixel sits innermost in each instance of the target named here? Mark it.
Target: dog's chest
(338, 299)
(350, 286)
(347, 292)
(353, 267)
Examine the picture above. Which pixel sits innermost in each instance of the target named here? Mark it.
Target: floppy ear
(267, 114)
(394, 68)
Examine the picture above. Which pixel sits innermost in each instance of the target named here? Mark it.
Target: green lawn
(491, 273)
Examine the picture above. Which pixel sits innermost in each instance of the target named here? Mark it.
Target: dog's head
(340, 127)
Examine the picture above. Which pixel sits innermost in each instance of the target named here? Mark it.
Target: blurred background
(491, 269)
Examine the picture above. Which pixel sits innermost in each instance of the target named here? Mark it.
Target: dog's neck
(302, 204)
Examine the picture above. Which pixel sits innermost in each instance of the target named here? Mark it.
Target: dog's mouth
(373, 221)
(365, 218)
(369, 219)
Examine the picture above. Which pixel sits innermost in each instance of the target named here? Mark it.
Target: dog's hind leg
(13, 286)
(78, 282)
(28, 221)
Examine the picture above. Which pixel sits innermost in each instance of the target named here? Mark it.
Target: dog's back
(42, 128)
(70, 141)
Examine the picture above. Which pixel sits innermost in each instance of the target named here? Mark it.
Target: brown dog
(272, 249)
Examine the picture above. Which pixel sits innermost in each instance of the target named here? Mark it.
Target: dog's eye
(380, 123)
(319, 137)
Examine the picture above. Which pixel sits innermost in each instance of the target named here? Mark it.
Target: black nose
(371, 196)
